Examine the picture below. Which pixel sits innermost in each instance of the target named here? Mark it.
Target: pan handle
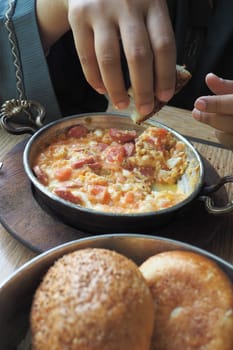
(22, 116)
(209, 203)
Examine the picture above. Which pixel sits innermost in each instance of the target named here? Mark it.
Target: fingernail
(196, 114)
(121, 105)
(165, 95)
(201, 104)
(146, 108)
(101, 91)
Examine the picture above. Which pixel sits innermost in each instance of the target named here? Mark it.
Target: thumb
(219, 86)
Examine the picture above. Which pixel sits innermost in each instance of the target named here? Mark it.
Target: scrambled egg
(114, 170)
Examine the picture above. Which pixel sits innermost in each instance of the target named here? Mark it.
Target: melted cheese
(115, 170)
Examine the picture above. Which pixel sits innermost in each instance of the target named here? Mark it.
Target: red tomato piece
(96, 189)
(66, 194)
(162, 139)
(115, 154)
(147, 171)
(129, 197)
(122, 136)
(83, 161)
(162, 132)
(101, 193)
(95, 166)
(63, 174)
(151, 141)
(101, 146)
(41, 175)
(77, 131)
(159, 139)
(71, 184)
(129, 148)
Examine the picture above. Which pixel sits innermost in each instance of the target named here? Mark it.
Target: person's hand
(217, 110)
(147, 37)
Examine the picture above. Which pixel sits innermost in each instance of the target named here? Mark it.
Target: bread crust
(193, 302)
(182, 78)
(92, 299)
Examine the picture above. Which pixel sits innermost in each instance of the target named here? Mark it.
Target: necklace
(12, 109)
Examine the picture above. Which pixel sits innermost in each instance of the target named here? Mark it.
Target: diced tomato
(71, 184)
(151, 141)
(115, 154)
(128, 166)
(129, 197)
(101, 146)
(105, 198)
(162, 132)
(41, 175)
(96, 189)
(63, 174)
(95, 165)
(158, 139)
(66, 194)
(80, 162)
(77, 131)
(129, 148)
(161, 141)
(101, 193)
(122, 136)
(147, 170)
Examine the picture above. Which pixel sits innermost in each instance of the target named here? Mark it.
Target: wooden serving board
(29, 223)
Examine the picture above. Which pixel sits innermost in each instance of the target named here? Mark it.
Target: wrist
(52, 16)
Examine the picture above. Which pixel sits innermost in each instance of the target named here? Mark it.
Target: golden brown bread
(92, 299)
(182, 78)
(193, 302)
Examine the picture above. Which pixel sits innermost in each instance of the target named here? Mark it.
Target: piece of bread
(193, 302)
(92, 299)
(182, 78)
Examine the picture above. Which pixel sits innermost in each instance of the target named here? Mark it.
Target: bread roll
(193, 302)
(92, 299)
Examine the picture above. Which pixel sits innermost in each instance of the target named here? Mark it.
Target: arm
(52, 20)
(217, 110)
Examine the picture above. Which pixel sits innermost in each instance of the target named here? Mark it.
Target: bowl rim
(225, 265)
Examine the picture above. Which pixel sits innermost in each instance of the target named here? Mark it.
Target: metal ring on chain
(33, 111)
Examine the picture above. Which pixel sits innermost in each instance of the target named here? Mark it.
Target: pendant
(22, 116)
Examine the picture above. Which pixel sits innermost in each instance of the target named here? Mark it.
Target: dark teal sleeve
(35, 72)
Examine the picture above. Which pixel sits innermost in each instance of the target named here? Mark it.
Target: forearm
(52, 20)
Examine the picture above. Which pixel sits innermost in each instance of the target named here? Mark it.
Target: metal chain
(32, 110)
(15, 50)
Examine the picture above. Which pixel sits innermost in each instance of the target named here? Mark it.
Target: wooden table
(13, 254)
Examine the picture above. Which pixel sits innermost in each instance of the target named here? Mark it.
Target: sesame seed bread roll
(92, 299)
(193, 302)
